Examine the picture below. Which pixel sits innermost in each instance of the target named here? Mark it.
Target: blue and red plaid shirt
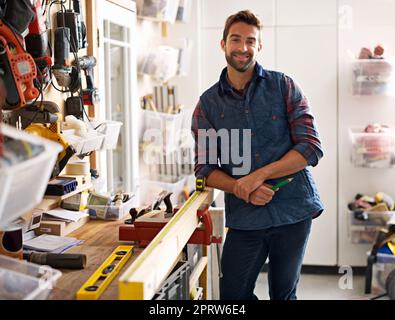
(278, 114)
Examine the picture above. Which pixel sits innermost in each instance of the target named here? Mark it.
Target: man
(272, 114)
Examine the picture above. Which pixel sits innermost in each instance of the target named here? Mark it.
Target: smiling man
(269, 110)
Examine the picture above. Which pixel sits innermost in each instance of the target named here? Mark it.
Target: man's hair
(245, 16)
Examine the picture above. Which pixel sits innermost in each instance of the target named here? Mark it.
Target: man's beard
(239, 66)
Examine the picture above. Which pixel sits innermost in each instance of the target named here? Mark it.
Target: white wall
(366, 24)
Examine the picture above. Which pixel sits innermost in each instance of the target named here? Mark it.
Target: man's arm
(220, 180)
(290, 163)
(306, 148)
(203, 167)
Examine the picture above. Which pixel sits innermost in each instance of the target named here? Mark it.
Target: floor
(319, 287)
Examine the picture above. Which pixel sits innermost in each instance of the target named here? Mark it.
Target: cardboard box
(60, 228)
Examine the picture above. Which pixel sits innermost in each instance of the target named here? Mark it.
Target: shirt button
(246, 110)
(257, 155)
(274, 117)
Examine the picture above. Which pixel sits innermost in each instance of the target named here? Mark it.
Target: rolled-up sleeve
(304, 133)
(206, 158)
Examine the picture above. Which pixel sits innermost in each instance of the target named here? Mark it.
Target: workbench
(100, 239)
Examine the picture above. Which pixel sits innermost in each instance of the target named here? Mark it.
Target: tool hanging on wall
(73, 19)
(94, 287)
(90, 95)
(37, 44)
(66, 75)
(17, 67)
(49, 128)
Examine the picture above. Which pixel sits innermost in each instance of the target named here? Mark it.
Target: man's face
(241, 46)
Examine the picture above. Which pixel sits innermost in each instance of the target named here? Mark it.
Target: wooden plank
(203, 279)
(197, 271)
(147, 273)
(218, 218)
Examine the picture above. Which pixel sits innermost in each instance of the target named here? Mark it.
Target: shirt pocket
(272, 122)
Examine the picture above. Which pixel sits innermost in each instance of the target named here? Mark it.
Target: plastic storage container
(21, 280)
(176, 286)
(365, 231)
(381, 269)
(16, 193)
(163, 129)
(149, 190)
(83, 145)
(159, 10)
(373, 77)
(372, 150)
(110, 130)
(111, 212)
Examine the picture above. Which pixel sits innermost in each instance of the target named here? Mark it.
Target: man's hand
(243, 187)
(262, 195)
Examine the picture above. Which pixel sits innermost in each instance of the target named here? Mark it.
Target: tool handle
(61, 261)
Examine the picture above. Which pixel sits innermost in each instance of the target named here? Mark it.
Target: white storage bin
(158, 10)
(380, 218)
(363, 234)
(365, 231)
(381, 269)
(92, 141)
(16, 193)
(162, 129)
(372, 150)
(150, 190)
(110, 130)
(21, 280)
(111, 212)
(373, 77)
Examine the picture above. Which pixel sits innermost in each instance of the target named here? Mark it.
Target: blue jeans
(245, 253)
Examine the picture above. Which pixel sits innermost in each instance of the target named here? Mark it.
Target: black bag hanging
(17, 13)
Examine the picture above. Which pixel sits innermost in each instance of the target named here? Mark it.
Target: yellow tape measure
(102, 277)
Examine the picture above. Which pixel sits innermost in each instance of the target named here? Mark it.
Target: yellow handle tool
(102, 277)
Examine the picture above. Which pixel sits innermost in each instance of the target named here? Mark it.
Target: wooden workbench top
(100, 239)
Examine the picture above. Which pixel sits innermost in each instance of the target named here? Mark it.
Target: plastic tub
(110, 130)
(164, 128)
(381, 269)
(373, 77)
(379, 219)
(372, 150)
(111, 212)
(17, 195)
(21, 280)
(163, 10)
(82, 145)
